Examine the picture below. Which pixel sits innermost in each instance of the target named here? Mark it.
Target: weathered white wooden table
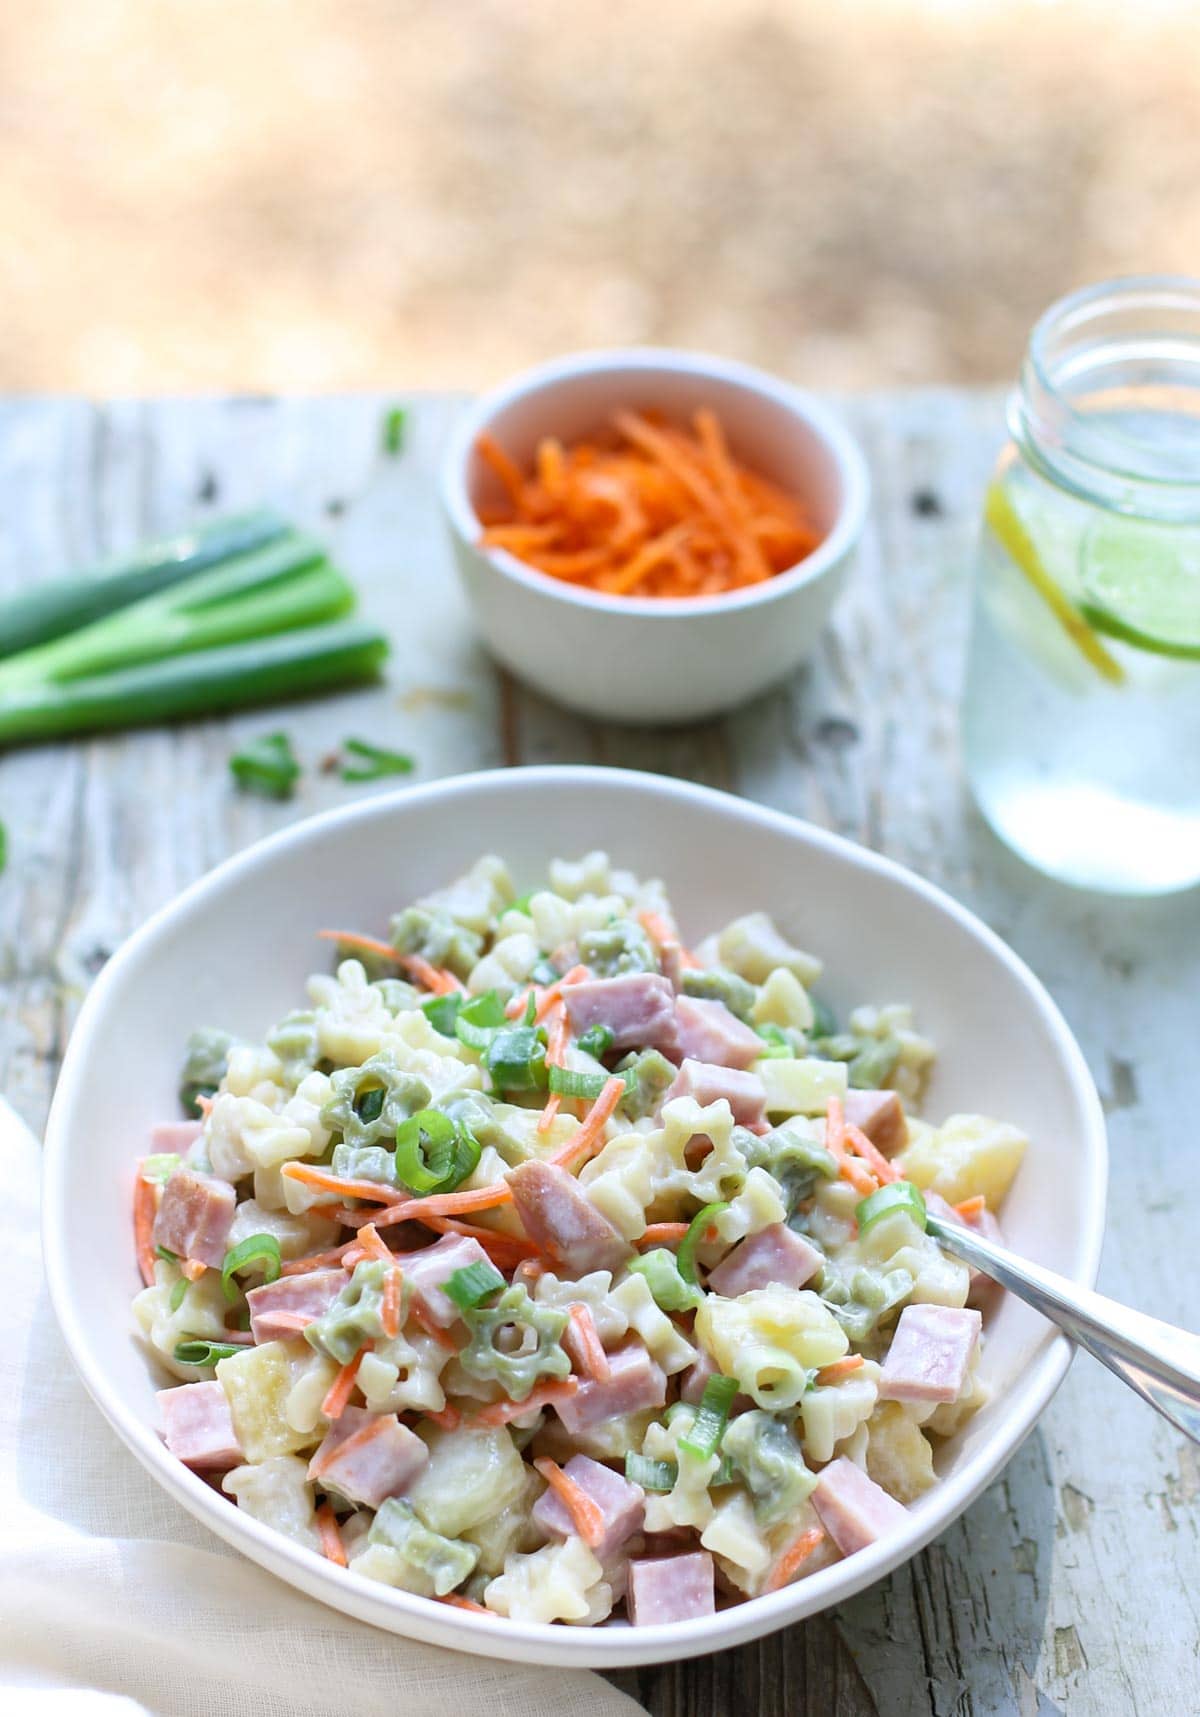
(1073, 1583)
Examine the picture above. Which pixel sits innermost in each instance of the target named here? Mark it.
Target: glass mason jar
(1081, 713)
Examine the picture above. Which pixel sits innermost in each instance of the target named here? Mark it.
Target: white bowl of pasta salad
(537, 1265)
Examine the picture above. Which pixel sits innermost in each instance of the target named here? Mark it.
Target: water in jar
(1083, 737)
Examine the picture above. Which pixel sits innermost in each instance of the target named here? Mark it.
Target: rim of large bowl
(847, 455)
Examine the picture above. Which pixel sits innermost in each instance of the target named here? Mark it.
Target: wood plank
(1071, 1583)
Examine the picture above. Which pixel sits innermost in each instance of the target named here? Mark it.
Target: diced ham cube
(275, 1305)
(195, 1216)
(635, 1381)
(774, 1257)
(367, 1457)
(880, 1115)
(562, 1221)
(671, 1589)
(852, 1508)
(426, 1272)
(637, 1007)
(708, 1032)
(691, 1384)
(621, 1503)
(930, 1353)
(198, 1427)
(175, 1137)
(706, 1083)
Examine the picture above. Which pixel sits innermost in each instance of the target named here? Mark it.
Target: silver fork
(1158, 1361)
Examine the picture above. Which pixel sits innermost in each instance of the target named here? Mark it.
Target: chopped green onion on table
(267, 765)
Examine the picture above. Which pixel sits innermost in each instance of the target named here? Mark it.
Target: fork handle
(1157, 1360)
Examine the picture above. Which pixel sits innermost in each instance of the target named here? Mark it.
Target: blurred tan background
(305, 194)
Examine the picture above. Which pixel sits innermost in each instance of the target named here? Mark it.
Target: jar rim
(1137, 334)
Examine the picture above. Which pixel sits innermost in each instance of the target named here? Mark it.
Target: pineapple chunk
(257, 1383)
(967, 1156)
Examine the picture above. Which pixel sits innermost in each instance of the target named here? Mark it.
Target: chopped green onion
(256, 1249)
(377, 761)
(530, 1013)
(597, 1040)
(777, 1045)
(724, 1474)
(198, 1352)
(167, 1256)
(516, 1059)
(521, 903)
(650, 1474)
(667, 1287)
(394, 423)
(480, 1019)
(469, 1286)
(177, 1293)
(824, 1020)
(313, 658)
(66, 604)
(704, 1438)
(266, 766)
(568, 1083)
(442, 1011)
(897, 1195)
(434, 1153)
(685, 1256)
(157, 1170)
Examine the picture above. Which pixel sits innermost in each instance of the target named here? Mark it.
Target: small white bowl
(233, 950)
(645, 658)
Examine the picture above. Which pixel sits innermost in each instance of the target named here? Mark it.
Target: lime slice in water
(1141, 583)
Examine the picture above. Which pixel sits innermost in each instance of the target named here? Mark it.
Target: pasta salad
(545, 1266)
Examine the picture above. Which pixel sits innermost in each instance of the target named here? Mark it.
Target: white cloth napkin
(115, 1602)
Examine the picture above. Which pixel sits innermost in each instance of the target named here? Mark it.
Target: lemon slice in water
(1141, 583)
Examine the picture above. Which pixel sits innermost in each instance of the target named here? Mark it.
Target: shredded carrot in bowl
(651, 509)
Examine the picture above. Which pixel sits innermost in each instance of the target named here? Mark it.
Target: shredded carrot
(203, 1103)
(375, 1426)
(145, 1209)
(505, 1250)
(587, 1138)
(556, 1049)
(319, 1260)
(374, 1245)
(501, 1412)
(839, 1368)
(332, 1547)
(793, 1558)
(337, 1187)
(368, 944)
(509, 473)
(970, 1208)
(458, 1603)
(662, 1234)
(442, 983)
(583, 1511)
(593, 1360)
(452, 1203)
(663, 937)
(835, 1143)
(193, 1269)
(653, 511)
(342, 1387)
(880, 1167)
(446, 1418)
(389, 1310)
